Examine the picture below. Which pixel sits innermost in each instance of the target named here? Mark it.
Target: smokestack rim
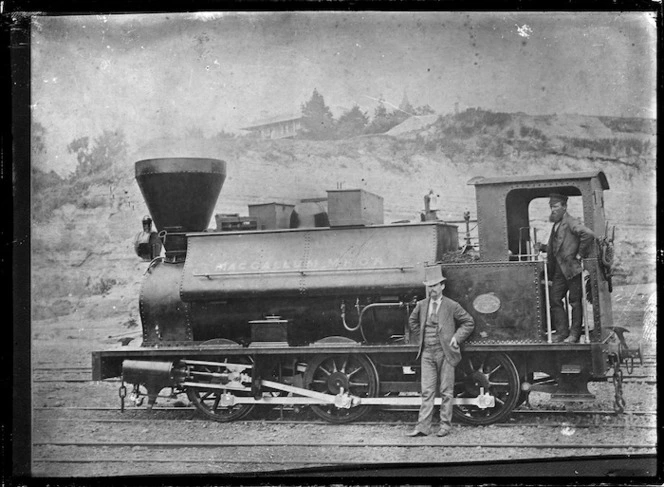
(174, 165)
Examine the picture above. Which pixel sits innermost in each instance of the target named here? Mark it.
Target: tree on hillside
(351, 123)
(38, 144)
(424, 110)
(405, 106)
(106, 149)
(42, 180)
(223, 135)
(317, 119)
(383, 120)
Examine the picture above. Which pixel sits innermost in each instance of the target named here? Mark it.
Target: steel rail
(192, 408)
(539, 424)
(327, 444)
(195, 460)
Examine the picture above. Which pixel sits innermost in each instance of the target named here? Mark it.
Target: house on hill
(279, 127)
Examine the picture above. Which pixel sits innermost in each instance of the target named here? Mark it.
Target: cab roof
(480, 180)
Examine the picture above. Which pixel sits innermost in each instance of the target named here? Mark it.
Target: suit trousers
(437, 374)
(559, 287)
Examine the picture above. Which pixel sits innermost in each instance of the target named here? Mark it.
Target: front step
(572, 385)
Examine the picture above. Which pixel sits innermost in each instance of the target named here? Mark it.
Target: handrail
(547, 301)
(302, 272)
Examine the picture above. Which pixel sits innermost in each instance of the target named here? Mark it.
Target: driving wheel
(497, 374)
(328, 374)
(209, 400)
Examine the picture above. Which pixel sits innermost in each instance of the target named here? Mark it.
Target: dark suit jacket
(450, 314)
(571, 239)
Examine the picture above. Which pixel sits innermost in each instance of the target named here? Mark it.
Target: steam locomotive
(317, 316)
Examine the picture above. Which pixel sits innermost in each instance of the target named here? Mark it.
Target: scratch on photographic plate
(524, 30)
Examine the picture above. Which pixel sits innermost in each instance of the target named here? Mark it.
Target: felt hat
(557, 198)
(433, 275)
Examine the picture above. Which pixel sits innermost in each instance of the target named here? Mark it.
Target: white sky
(160, 74)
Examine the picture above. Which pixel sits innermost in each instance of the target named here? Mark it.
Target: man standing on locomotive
(434, 321)
(569, 241)
(146, 242)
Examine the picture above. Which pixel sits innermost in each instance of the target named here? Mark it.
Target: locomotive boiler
(318, 316)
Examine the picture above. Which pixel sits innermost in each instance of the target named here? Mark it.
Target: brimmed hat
(147, 218)
(433, 275)
(557, 198)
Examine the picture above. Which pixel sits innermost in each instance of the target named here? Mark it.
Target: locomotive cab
(512, 213)
(507, 291)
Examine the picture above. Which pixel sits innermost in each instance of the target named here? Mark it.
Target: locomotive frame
(201, 335)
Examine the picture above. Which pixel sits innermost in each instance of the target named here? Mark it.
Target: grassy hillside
(83, 228)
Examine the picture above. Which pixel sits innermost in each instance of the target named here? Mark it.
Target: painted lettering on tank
(311, 264)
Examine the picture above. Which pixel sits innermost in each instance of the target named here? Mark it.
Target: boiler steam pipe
(359, 321)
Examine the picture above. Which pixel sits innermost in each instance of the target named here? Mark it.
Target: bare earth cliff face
(84, 266)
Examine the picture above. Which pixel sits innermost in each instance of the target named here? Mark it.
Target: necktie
(434, 308)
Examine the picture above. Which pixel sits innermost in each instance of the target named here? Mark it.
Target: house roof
(273, 120)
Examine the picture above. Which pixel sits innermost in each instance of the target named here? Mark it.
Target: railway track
(539, 418)
(406, 442)
(92, 440)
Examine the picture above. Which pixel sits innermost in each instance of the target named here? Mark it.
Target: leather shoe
(558, 339)
(443, 432)
(415, 433)
(572, 339)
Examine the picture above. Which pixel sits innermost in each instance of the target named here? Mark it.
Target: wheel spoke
(215, 405)
(345, 362)
(351, 374)
(498, 367)
(324, 370)
(358, 384)
(499, 384)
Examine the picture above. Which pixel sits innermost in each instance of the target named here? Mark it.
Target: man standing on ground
(434, 320)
